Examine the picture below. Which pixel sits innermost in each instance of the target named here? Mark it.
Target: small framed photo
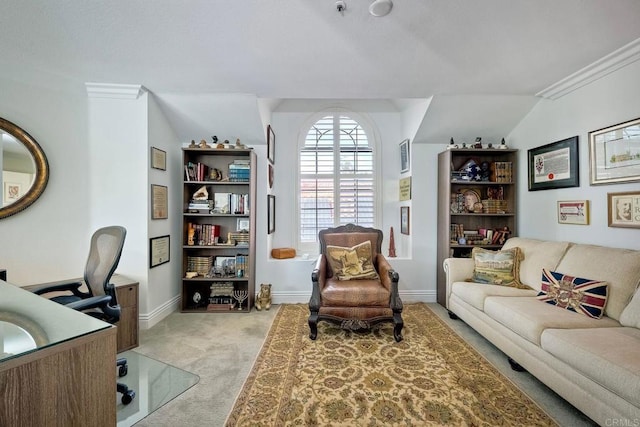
(158, 159)
(271, 214)
(573, 212)
(624, 209)
(614, 153)
(404, 219)
(159, 250)
(554, 165)
(242, 224)
(159, 202)
(12, 192)
(271, 145)
(405, 156)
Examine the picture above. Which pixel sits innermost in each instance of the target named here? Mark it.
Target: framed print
(624, 209)
(242, 224)
(614, 154)
(271, 145)
(159, 250)
(271, 214)
(158, 159)
(405, 189)
(12, 192)
(405, 156)
(159, 202)
(404, 219)
(270, 175)
(573, 212)
(554, 165)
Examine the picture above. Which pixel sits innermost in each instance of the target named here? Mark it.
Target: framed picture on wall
(158, 159)
(614, 154)
(271, 145)
(554, 165)
(404, 219)
(159, 250)
(271, 214)
(159, 202)
(405, 156)
(623, 209)
(573, 212)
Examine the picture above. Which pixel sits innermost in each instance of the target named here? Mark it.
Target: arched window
(337, 178)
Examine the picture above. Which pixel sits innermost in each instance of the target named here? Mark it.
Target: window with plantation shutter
(337, 180)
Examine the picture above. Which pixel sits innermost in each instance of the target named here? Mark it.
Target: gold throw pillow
(352, 263)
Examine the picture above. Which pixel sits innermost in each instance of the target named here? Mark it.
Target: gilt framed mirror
(25, 170)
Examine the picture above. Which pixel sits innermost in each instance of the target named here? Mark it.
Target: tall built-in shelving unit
(476, 203)
(219, 223)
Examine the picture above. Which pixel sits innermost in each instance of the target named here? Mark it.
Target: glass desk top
(29, 322)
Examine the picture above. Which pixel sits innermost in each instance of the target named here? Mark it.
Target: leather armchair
(347, 294)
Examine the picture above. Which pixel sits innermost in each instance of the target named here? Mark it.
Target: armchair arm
(389, 278)
(456, 270)
(46, 288)
(318, 277)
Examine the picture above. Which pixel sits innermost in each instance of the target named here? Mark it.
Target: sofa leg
(398, 324)
(452, 315)
(313, 325)
(516, 366)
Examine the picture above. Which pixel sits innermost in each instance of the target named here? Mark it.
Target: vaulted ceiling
(199, 57)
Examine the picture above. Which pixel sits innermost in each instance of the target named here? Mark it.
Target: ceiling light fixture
(380, 7)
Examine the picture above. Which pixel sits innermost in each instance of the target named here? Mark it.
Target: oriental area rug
(432, 377)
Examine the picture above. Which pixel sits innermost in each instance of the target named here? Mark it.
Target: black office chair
(100, 299)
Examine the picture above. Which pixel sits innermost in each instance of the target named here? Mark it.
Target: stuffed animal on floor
(263, 300)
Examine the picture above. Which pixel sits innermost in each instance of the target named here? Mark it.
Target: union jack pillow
(584, 296)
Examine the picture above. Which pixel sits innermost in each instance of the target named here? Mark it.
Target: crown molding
(109, 90)
(608, 64)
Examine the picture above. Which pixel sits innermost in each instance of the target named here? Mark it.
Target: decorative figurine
(452, 145)
(478, 143)
(201, 194)
(464, 145)
(392, 244)
(215, 139)
(263, 300)
(193, 144)
(203, 144)
(503, 145)
(485, 171)
(239, 144)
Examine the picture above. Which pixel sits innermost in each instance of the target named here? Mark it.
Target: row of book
(503, 171)
(196, 171)
(231, 203)
(202, 234)
(239, 171)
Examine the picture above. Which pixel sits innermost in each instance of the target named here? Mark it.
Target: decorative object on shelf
(193, 144)
(158, 159)
(201, 194)
(203, 144)
(392, 244)
(478, 143)
(263, 299)
(271, 145)
(405, 156)
(485, 171)
(405, 189)
(283, 253)
(624, 209)
(159, 202)
(271, 214)
(471, 196)
(503, 145)
(554, 165)
(452, 145)
(614, 154)
(404, 220)
(240, 145)
(573, 212)
(240, 296)
(159, 251)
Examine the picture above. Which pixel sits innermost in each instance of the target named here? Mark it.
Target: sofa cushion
(608, 356)
(352, 263)
(497, 267)
(631, 314)
(537, 254)
(475, 293)
(619, 267)
(583, 296)
(528, 318)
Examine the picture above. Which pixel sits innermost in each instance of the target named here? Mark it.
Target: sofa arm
(456, 270)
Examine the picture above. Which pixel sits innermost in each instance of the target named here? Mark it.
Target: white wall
(605, 102)
(50, 239)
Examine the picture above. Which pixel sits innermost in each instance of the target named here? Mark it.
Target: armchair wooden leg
(313, 325)
(397, 326)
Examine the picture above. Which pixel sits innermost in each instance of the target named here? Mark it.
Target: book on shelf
(503, 171)
(231, 203)
(239, 171)
(195, 171)
(202, 234)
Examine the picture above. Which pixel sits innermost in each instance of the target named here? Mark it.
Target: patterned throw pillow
(352, 263)
(584, 296)
(498, 267)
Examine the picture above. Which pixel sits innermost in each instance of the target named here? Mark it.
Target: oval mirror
(25, 170)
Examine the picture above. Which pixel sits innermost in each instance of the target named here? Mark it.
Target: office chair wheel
(123, 370)
(128, 396)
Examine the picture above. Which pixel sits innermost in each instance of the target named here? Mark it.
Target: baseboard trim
(147, 320)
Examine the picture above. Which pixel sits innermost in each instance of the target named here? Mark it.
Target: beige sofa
(592, 363)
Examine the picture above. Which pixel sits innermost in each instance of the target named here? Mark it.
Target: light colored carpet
(221, 348)
(432, 377)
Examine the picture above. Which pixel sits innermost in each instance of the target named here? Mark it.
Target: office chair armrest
(59, 287)
(92, 302)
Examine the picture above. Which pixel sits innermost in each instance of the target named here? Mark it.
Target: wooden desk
(69, 378)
